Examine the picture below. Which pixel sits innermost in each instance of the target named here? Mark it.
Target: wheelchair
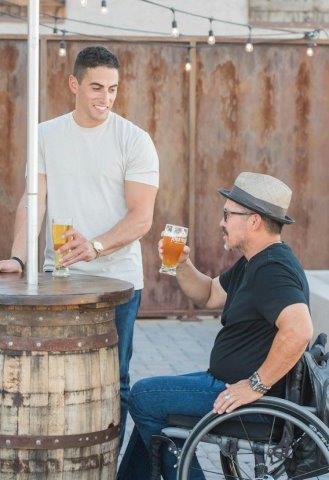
(270, 439)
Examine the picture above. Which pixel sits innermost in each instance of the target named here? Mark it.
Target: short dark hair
(272, 226)
(92, 57)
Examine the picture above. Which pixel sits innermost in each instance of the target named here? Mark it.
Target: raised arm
(204, 291)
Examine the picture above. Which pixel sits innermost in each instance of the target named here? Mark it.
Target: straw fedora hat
(262, 194)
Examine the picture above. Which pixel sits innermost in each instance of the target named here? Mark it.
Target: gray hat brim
(262, 207)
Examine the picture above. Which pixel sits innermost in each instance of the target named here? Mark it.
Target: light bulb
(62, 48)
(188, 66)
(249, 47)
(310, 52)
(211, 38)
(104, 7)
(83, 3)
(174, 29)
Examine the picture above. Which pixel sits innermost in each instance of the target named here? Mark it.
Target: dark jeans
(151, 401)
(125, 316)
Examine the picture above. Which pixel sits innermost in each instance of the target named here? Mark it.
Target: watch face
(98, 246)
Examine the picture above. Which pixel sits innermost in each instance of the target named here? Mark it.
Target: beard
(239, 247)
(226, 246)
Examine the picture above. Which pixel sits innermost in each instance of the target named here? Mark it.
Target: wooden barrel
(59, 378)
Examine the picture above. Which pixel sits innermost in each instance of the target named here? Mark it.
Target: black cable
(214, 19)
(146, 42)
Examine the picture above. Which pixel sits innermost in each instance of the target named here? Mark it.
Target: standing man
(101, 170)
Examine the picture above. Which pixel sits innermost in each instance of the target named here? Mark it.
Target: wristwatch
(98, 247)
(256, 384)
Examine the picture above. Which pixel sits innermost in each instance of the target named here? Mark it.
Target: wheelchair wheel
(249, 444)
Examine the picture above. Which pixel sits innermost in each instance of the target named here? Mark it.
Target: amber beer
(174, 239)
(59, 227)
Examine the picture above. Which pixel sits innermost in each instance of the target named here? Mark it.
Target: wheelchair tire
(307, 424)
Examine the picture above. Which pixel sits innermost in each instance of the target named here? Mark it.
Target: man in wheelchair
(266, 325)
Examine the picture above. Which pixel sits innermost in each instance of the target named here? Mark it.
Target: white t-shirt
(86, 169)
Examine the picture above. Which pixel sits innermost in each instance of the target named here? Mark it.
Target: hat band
(265, 207)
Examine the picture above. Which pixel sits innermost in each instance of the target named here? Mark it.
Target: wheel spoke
(316, 472)
(270, 439)
(245, 431)
(224, 475)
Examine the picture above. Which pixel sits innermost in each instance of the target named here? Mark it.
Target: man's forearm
(193, 283)
(286, 350)
(19, 244)
(130, 228)
(20, 228)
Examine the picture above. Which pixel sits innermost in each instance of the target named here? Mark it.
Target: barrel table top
(72, 290)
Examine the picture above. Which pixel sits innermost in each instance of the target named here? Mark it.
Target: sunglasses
(227, 213)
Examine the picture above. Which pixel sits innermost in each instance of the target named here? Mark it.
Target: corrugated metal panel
(264, 112)
(13, 90)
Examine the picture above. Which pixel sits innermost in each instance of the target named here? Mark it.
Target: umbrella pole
(32, 142)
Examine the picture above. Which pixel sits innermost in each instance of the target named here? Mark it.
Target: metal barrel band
(62, 345)
(55, 442)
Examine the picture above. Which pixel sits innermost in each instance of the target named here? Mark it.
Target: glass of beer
(174, 239)
(60, 226)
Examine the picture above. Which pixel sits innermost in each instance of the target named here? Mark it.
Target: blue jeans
(151, 401)
(125, 316)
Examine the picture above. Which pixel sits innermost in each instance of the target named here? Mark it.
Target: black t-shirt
(257, 292)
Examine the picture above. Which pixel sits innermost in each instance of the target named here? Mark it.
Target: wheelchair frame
(288, 411)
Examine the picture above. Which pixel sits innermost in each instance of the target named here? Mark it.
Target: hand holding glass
(174, 240)
(59, 227)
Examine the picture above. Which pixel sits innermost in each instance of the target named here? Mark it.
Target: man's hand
(234, 396)
(183, 257)
(77, 249)
(10, 266)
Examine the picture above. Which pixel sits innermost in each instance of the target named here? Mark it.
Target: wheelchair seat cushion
(246, 430)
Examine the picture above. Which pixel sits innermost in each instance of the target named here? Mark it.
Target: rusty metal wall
(13, 91)
(266, 112)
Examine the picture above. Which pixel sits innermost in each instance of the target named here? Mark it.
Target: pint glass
(174, 239)
(59, 227)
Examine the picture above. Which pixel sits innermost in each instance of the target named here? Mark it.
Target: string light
(310, 37)
(188, 64)
(310, 49)
(211, 37)
(249, 47)
(174, 27)
(104, 9)
(62, 46)
(83, 3)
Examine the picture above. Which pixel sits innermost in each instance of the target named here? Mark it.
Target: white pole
(32, 143)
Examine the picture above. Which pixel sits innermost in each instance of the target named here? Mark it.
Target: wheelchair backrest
(308, 382)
